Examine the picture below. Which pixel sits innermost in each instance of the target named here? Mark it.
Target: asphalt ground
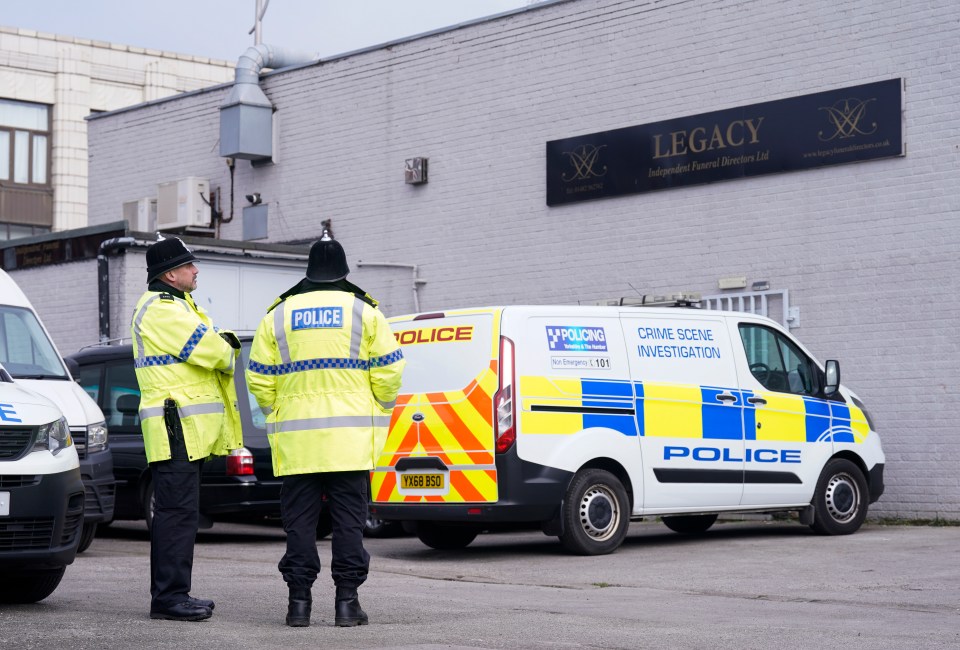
(742, 585)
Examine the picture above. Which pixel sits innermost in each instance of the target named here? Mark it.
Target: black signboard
(829, 128)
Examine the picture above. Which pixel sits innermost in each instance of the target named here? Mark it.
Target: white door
(689, 410)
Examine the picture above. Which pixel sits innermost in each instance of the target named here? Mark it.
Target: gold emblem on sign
(584, 159)
(847, 117)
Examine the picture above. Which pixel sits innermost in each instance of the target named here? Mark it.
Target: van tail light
(240, 462)
(504, 401)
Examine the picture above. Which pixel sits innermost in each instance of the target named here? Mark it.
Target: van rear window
(444, 354)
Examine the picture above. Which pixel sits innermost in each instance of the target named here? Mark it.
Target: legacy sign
(829, 128)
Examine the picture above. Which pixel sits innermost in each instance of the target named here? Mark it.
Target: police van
(581, 419)
(34, 362)
(41, 494)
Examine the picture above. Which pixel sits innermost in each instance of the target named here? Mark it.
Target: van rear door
(440, 447)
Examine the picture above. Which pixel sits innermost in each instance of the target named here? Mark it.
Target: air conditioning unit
(183, 204)
(141, 215)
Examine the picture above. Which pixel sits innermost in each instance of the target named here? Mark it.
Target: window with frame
(24, 143)
(777, 363)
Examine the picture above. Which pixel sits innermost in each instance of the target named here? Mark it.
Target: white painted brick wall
(65, 297)
(868, 251)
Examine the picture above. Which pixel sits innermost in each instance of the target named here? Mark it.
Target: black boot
(348, 611)
(298, 609)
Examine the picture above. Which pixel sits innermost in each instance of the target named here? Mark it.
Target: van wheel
(840, 501)
(596, 513)
(690, 524)
(25, 586)
(446, 537)
(86, 536)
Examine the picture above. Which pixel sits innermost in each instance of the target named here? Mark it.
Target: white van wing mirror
(832, 372)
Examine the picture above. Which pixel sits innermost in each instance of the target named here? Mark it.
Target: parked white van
(34, 362)
(41, 495)
(581, 419)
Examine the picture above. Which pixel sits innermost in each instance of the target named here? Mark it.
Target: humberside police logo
(580, 339)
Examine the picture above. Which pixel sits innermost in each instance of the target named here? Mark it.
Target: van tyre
(446, 537)
(596, 513)
(29, 586)
(690, 524)
(840, 501)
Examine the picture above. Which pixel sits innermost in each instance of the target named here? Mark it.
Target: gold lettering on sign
(700, 139)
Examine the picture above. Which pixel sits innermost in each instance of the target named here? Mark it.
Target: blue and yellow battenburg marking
(566, 406)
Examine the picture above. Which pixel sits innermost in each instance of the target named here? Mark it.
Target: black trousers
(301, 500)
(176, 517)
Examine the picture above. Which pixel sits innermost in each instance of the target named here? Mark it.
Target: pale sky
(218, 28)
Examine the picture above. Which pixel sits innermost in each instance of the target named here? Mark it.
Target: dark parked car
(239, 487)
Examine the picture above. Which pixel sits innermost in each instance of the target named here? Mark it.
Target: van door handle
(756, 400)
(726, 397)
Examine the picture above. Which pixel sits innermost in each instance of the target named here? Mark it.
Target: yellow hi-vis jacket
(179, 355)
(326, 369)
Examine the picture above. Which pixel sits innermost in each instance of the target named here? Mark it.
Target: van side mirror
(832, 372)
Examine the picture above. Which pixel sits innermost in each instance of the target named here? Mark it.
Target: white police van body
(32, 359)
(41, 494)
(581, 419)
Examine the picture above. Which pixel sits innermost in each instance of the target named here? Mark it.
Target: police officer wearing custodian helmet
(188, 411)
(326, 370)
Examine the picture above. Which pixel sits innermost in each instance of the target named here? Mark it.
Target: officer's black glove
(230, 338)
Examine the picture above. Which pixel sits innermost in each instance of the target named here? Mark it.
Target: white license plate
(4, 504)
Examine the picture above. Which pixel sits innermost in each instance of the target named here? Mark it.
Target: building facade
(49, 84)
(864, 252)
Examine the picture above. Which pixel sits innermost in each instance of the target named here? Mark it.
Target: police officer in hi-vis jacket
(188, 411)
(326, 370)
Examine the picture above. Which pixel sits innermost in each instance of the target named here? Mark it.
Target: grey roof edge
(336, 57)
(143, 239)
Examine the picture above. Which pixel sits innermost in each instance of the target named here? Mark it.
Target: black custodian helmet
(165, 255)
(328, 262)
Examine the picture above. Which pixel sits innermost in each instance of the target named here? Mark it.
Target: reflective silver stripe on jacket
(356, 329)
(280, 332)
(152, 412)
(386, 405)
(200, 409)
(337, 422)
(138, 350)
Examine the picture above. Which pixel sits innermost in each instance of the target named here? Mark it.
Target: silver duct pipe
(246, 115)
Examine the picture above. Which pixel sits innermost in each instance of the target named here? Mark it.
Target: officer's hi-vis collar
(166, 290)
(306, 286)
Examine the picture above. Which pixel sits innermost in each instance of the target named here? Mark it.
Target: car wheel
(376, 527)
(86, 536)
(446, 537)
(148, 502)
(841, 498)
(690, 524)
(23, 586)
(596, 513)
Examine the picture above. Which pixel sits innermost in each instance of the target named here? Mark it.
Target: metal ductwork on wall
(246, 115)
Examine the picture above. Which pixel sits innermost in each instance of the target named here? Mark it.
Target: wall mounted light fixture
(415, 171)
